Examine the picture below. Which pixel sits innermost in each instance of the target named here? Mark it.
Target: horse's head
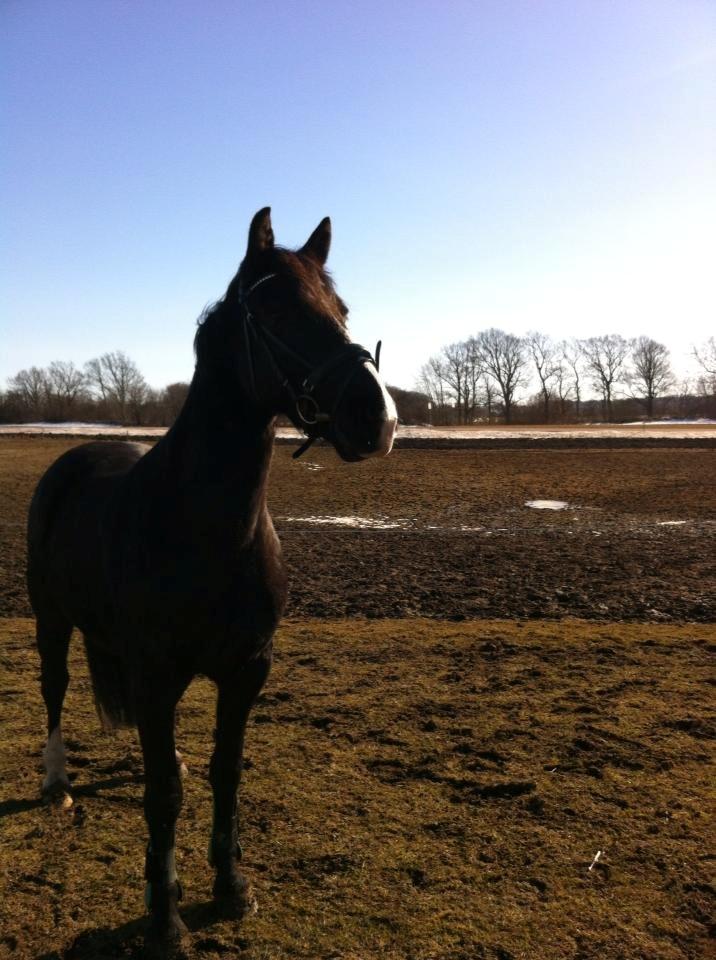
(295, 353)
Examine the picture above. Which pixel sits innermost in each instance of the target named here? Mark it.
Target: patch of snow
(671, 523)
(547, 504)
(697, 421)
(82, 429)
(361, 523)
(656, 428)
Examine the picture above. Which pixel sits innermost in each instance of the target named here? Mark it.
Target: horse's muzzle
(384, 443)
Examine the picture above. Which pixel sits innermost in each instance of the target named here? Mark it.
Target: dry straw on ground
(416, 789)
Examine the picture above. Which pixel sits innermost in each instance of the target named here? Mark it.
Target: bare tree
(502, 355)
(573, 357)
(684, 390)
(605, 357)
(563, 385)
(457, 359)
(173, 398)
(705, 356)
(138, 396)
(476, 376)
(30, 388)
(66, 384)
(651, 374)
(117, 381)
(488, 393)
(433, 383)
(544, 357)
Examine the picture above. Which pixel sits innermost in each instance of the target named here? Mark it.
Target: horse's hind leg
(53, 638)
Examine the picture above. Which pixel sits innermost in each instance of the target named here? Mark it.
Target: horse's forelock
(315, 285)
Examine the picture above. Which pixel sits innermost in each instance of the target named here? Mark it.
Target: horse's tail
(111, 686)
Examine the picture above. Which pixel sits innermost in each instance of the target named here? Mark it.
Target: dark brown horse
(166, 558)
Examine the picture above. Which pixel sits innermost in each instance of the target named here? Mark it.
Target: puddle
(547, 504)
(309, 465)
(671, 523)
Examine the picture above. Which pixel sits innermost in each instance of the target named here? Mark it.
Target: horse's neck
(218, 454)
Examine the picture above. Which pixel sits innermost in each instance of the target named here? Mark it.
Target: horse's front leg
(236, 695)
(162, 803)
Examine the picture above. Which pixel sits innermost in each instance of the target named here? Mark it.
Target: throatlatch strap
(304, 446)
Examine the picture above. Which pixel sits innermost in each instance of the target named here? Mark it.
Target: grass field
(417, 788)
(414, 789)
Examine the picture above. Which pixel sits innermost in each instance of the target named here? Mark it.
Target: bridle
(349, 358)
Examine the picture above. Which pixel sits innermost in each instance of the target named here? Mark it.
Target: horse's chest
(213, 599)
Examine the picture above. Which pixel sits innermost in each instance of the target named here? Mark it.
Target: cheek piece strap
(343, 364)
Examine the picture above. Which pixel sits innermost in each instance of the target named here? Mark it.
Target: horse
(166, 559)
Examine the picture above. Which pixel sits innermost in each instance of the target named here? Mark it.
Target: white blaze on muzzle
(384, 443)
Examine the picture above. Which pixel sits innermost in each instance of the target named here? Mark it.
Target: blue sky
(530, 165)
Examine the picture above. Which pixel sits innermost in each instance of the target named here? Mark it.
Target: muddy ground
(637, 542)
(417, 788)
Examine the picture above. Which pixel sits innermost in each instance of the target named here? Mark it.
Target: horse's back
(66, 517)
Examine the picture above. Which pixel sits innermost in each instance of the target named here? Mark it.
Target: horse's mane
(312, 286)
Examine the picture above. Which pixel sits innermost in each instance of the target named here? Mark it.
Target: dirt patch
(446, 532)
(648, 576)
(414, 789)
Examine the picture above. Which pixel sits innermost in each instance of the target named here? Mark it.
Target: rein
(308, 409)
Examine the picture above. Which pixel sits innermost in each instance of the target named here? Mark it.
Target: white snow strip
(363, 523)
(698, 421)
(660, 428)
(547, 504)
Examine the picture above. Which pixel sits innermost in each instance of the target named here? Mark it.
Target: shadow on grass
(127, 939)
(10, 807)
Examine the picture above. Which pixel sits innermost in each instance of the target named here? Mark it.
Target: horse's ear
(319, 243)
(260, 233)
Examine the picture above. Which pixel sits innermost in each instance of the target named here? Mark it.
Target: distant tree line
(478, 379)
(112, 389)
(481, 379)
(109, 388)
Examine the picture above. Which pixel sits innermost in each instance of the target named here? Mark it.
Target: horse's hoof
(166, 943)
(233, 897)
(167, 932)
(166, 937)
(58, 796)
